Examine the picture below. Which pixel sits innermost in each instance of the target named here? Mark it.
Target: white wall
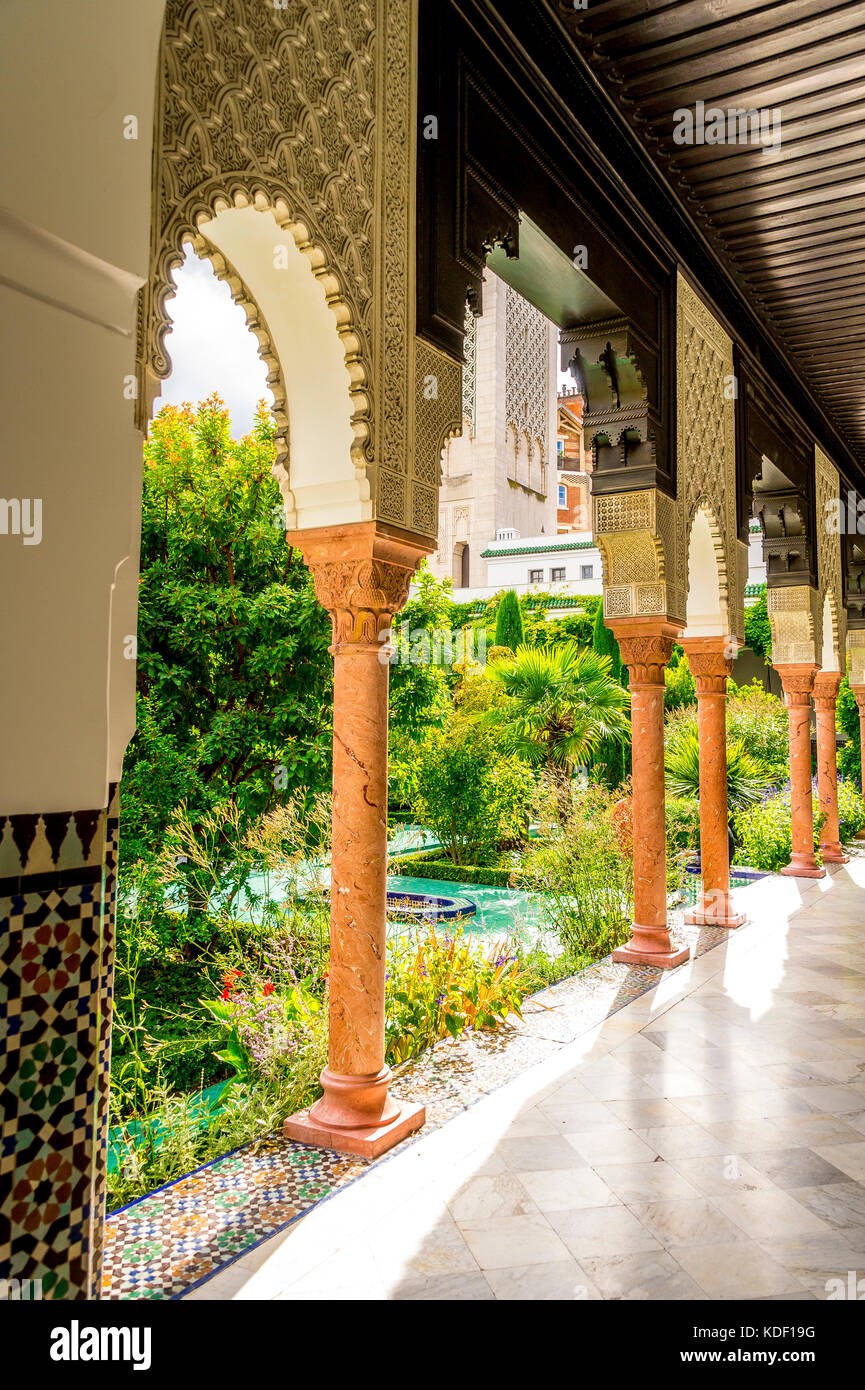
(74, 245)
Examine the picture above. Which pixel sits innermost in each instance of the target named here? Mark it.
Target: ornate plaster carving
(706, 458)
(827, 491)
(796, 621)
(636, 534)
(856, 656)
(527, 373)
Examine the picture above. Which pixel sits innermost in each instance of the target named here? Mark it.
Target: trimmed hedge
(417, 866)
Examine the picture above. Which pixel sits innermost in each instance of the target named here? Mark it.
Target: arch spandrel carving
(829, 565)
(706, 456)
(796, 622)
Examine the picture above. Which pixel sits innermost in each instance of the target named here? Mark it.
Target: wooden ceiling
(789, 224)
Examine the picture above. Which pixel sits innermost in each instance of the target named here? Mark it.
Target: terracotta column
(798, 682)
(859, 692)
(826, 685)
(711, 665)
(362, 574)
(646, 646)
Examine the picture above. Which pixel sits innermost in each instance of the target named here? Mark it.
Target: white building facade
(500, 475)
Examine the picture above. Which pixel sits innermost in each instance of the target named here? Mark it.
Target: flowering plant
(440, 985)
(264, 1025)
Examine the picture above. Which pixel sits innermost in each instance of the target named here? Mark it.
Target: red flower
(268, 989)
(226, 994)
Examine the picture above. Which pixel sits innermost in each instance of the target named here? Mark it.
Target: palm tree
(564, 701)
(747, 777)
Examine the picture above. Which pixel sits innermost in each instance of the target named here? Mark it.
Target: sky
(211, 347)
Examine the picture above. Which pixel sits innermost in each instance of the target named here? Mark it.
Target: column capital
(362, 572)
(859, 692)
(646, 646)
(826, 686)
(711, 663)
(797, 682)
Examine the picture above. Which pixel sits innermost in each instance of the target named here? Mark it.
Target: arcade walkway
(707, 1141)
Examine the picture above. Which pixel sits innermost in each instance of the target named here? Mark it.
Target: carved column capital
(826, 686)
(859, 692)
(711, 663)
(645, 658)
(362, 575)
(797, 682)
(646, 646)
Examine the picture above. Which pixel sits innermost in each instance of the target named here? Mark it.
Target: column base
(634, 953)
(834, 854)
(803, 868)
(701, 917)
(302, 1128)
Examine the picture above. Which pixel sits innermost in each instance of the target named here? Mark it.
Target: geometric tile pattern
(168, 1242)
(52, 951)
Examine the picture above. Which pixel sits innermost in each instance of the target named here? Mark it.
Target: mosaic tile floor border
(165, 1244)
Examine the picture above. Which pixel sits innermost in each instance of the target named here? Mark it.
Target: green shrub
(475, 798)
(763, 833)
(579, 866)
(418, 866)
(851, 809)
(680, 687)
(850, 754)
(682, 814)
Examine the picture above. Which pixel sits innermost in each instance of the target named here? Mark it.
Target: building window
(563, 495)
(536, 576)
(557, 576)
(587, 571)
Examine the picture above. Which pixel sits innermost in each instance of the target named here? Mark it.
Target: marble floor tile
(543, 1151)
(840, 1204)
(654, 1275)
(798, 1167)
(681, 1141)
(445, 1288)
(513, 1241)
(642, 1182)
(768, 1213)
(566, 1189)
(694, 1221)
(849, 1158)
(739, 1270)
(606, 1146)
(596, 1231)
(563, 1281)
(483, 1198)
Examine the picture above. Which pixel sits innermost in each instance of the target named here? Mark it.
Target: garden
(509, 785)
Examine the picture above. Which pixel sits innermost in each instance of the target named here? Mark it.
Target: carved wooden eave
(621, 424)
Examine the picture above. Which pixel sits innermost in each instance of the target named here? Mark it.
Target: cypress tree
(509, 622)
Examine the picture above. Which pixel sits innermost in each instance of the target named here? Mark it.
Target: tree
(564, 701)
(418, 679)
(612, 760)
(758, 632)
(850, 756)
(473, 795)
(234, 676)
(509, 621)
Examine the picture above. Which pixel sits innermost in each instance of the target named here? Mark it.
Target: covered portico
(317, 161)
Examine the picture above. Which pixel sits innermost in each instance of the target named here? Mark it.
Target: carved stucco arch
(703, 518)
(308, 111)
(272, 110)
(829, 566)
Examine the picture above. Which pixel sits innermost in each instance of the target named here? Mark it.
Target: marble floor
(707, 1141)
